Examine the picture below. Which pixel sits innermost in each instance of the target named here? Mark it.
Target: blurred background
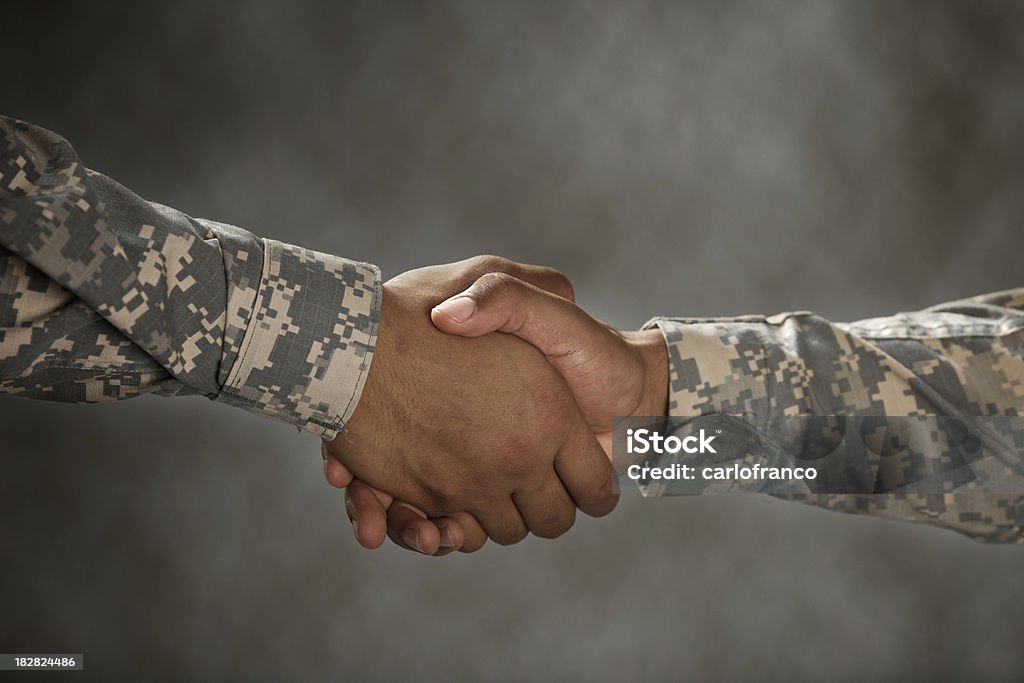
(852, 158)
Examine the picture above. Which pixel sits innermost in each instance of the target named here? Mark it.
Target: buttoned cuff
(309, 339)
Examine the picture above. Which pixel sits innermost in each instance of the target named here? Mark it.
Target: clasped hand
(487, 409)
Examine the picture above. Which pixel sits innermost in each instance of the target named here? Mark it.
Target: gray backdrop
(716, 158)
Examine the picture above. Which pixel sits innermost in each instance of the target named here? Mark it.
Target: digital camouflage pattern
(104, 296)
(964, 358)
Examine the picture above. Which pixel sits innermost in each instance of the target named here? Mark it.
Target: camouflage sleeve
(104, 296)
(960, 358)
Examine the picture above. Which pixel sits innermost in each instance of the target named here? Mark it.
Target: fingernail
(323, 451)
(460, 309)
(355, 528)
(411, 538)
(446, 538)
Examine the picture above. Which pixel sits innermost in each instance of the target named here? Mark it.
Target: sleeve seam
(64, 366)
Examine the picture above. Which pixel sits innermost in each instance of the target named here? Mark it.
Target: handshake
(487, 409)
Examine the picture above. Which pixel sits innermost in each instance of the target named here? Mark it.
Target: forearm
(130, 290)
(963, 358)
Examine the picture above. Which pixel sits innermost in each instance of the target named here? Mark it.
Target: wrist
(653, 352)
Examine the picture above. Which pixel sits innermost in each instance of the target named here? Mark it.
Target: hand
(610, 373)
(484, 427)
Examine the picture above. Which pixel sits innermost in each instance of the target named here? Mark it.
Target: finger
(473, 535)
(338, 475)
(586, 472)
(548, 510)
(502, 522)
(452, 536)
(335, 471)
(501, 303)
(410, 528)
(548, 279)
(367, 513)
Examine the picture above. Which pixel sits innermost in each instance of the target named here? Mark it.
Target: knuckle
(494, 284)
(560, 284)
(488, 262)
(473, 546)
(556, 524)
(511, 536)
(602, 501)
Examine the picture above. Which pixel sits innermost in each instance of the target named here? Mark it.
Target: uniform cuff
(309, 340)
(717, 365)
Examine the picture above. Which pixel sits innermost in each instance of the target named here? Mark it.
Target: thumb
(498, 302)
